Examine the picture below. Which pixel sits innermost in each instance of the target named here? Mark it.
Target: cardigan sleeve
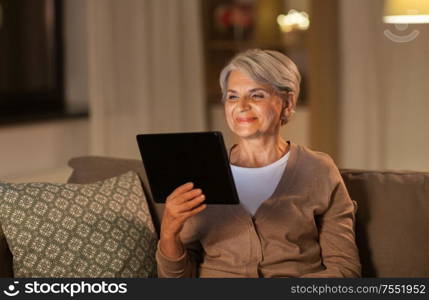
(185, 266)
(339, 252)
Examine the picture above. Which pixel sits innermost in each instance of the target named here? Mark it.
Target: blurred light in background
(294, 20)
(406, 11)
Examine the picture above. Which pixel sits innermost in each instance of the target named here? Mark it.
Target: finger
(183, 188)
(195, 211)
(190, 205)
(185, 197)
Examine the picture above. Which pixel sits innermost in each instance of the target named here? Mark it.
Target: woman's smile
(245, 120)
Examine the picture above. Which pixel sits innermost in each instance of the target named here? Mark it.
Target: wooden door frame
(324, 66)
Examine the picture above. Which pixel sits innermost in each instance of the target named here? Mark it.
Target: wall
(40, 151)
(323, 75)
(137, 63)
(384, 91)
(36, 151)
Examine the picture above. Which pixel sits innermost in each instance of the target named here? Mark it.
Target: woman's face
(251, 109)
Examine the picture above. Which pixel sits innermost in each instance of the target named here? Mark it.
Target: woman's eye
(258, 96)
(232, 97)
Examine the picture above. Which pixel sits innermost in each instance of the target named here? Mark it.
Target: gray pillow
(88, 169)
(102, 229)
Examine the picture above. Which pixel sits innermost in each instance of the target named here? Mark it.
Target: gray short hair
(267, 67)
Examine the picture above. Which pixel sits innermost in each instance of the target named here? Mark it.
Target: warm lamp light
(294, 20)
(406, 11)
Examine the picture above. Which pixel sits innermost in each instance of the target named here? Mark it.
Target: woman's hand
(183, 203)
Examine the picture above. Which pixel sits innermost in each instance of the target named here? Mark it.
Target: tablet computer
(173, 159)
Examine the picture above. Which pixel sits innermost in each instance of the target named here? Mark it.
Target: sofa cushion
(392, 221)
(87, 169)
(102, 229)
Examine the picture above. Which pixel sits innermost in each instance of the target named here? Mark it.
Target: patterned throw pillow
(102, 229)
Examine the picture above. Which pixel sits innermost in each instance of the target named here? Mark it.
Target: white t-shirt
(255, 185)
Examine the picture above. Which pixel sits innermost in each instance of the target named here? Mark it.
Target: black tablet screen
(172, 159)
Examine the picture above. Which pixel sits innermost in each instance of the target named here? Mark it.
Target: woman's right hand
(181, 204)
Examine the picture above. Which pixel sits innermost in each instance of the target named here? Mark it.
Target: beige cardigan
(305, 229)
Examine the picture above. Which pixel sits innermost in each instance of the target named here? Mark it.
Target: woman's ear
(288, 107)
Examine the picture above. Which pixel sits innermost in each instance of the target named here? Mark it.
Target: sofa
(392, 223)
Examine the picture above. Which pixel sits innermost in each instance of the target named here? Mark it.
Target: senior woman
(295, 217)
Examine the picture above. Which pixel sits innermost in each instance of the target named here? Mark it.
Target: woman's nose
(243, 103)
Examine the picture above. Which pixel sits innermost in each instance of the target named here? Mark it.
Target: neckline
(284, 156)
(284, 184)
(280, 161)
